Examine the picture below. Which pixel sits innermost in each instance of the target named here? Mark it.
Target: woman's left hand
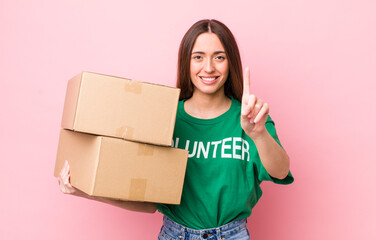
(254, 110)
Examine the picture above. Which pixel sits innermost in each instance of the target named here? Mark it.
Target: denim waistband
(226, 229)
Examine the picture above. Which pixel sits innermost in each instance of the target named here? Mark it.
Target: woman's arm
(146, 207)
(275, 160)
(67, 188)
(253, 119)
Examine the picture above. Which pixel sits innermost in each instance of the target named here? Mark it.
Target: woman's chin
(210, 90)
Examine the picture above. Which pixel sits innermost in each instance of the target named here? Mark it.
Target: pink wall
(313, 61)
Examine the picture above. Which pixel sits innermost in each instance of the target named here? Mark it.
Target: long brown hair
(234, 83)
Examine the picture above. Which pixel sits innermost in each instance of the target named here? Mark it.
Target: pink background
(314, 62)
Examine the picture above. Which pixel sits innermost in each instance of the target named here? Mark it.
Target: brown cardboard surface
(71, 98)
(122, 108)
(120, 169)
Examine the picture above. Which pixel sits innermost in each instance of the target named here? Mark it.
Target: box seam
(96, 165)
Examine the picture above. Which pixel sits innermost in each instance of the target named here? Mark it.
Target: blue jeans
(234, 230)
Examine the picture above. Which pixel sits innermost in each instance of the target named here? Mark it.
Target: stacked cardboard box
(116, 136)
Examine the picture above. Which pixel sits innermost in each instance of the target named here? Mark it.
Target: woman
(231, 139)
(232, 142)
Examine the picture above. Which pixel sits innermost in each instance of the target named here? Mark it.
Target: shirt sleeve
(263, 175)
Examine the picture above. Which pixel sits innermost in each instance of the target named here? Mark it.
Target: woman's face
(209, 65)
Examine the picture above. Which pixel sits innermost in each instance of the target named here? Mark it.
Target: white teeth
(208, 79)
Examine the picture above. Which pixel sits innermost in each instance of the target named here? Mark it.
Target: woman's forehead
(208, 43)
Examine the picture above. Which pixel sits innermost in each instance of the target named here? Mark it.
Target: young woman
(232, 141)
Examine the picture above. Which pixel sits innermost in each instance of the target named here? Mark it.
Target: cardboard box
(120, 169)
(122, 108)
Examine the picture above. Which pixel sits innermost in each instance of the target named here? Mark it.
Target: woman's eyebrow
(200, 52)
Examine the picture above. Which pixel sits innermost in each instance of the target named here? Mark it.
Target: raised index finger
(246, 82)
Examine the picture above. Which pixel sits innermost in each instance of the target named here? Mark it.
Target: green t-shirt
(224, 170)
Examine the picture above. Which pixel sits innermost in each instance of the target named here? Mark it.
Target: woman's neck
(207, 106)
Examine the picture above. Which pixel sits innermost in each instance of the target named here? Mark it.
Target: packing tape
(145, 150)
(133, 87)
(125, 132)
(138, 189)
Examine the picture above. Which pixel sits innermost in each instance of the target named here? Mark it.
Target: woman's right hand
(64, 182)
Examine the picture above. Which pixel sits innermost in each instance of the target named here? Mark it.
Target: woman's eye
(220, 57)
(197, 57)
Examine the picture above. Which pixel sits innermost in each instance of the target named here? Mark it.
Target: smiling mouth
(209, 80)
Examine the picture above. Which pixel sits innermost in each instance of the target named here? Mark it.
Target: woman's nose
(209, 66)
